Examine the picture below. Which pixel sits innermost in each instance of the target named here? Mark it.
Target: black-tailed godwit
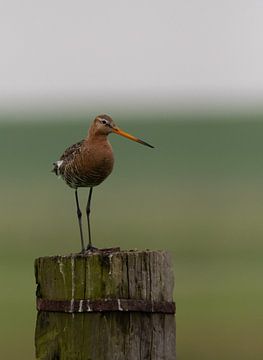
(89, 162)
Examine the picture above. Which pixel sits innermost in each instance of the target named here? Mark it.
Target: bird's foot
(91, 248)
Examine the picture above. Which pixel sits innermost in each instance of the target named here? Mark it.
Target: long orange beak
(131, 137)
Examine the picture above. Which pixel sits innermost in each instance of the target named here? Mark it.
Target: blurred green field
(197, 194)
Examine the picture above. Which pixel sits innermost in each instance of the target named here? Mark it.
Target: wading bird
(89, 162)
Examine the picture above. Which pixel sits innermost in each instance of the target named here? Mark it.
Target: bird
(88, 163)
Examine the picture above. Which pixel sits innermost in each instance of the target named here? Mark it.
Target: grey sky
(137, 49)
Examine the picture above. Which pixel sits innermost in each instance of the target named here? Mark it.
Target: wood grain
(111, 335)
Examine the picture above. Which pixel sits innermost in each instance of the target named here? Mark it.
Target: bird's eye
(104, 122)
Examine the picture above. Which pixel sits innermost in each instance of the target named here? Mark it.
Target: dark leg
(90, 247)
(79, 218)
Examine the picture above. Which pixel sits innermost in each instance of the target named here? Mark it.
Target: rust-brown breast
(87, 164)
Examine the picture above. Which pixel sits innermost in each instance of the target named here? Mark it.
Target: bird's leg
(79, 218)
(90, 247)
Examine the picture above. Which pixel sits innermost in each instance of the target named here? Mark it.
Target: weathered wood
(104, 305)
(105, 335)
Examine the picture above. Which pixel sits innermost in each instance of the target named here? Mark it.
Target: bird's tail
(55, 168)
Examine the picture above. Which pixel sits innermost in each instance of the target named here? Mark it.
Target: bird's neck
(96, 138)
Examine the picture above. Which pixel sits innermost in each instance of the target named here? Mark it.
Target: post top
(106, 274)
(104, 252)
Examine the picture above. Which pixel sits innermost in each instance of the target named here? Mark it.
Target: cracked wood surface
(136, 275)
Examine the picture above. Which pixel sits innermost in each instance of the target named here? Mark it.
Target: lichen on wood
(116, 335)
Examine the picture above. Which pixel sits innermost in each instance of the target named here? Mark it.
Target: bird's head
(104, 125)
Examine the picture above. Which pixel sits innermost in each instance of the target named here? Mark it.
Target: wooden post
(105, 305)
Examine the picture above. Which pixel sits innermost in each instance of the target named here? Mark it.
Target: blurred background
(186, 77)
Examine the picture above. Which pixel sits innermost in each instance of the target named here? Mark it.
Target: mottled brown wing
(67, 156)
(71, 151)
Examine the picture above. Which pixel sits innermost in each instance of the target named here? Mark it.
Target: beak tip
(146, 144)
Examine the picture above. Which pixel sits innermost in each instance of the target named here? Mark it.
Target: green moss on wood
(108, 336)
